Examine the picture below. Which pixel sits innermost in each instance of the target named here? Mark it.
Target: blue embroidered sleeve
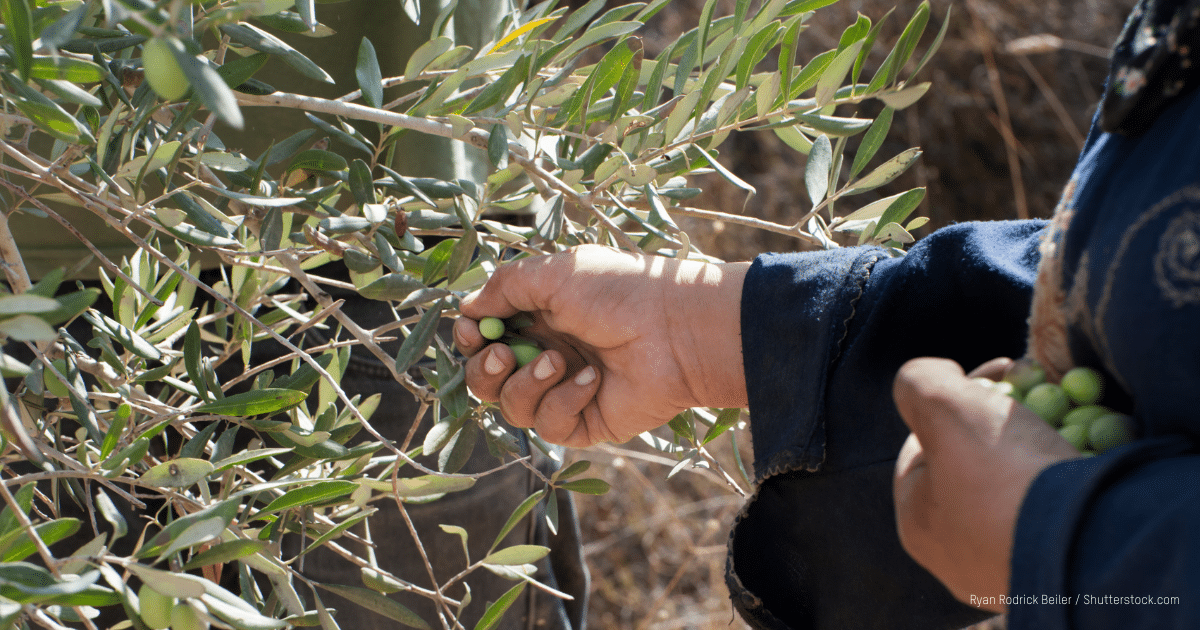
(1106, 542)
(1115, 536)
(823, 335)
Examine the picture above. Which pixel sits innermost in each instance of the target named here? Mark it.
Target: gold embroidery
(1047, 341)
(1177, 262)
(1189, 193)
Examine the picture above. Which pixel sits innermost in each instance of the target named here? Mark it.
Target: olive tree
(161, 404)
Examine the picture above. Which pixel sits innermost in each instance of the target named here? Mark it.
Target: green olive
(184, 617)
(491, 328)
(1084, 416)
(155, 608)
(1110, 431)
(1025, 375)
(1048, 401)
(162, 69)
(1076, 435)
(1082, 385)
(525, 351)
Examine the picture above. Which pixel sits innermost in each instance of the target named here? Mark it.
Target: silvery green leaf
(308, 13)
(816, 171)
(419, 338)
(379, 603)
(27, 328)
(26, 303)
(872, 140)
(886, 172)
(412, 8)
(370, 80)
(871, 211)
(835, 73)
(423, 56)
(178, 473)
(19, 20)
(253, 37)
(905, 97)
(517, 554)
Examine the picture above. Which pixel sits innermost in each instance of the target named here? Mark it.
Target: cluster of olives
(495, 329)
(161, 611)
(1070, 406)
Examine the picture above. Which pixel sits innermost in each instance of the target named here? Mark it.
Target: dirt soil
(1000, 130)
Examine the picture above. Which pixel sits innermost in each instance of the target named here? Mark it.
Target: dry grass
(656, 546)
(1000, 130)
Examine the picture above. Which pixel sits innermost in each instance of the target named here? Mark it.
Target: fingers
(539, 396)
(467, 336)
(525, 388)
(523, 285)
(488, 370)
(929, 392)
(994, 369)
(568, 414)
(910, 490)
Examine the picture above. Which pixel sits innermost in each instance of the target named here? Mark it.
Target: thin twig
(10, 259)
(986, 43)
(43, 550)
(412, 531)
(112, 267)
(1060, 110)
(325, 300)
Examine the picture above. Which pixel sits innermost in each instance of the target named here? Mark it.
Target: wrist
(708, 301)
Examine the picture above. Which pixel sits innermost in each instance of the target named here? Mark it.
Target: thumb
(523, 285)
(933, 396)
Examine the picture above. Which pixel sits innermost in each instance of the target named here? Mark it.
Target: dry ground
(1000, 130)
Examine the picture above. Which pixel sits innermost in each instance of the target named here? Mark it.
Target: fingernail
(585, 376)
(493, 365)
(544, 369)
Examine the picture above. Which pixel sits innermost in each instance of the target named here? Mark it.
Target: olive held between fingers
(491, 328)
(525, 351)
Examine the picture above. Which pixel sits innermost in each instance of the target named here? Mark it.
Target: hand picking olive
(495, 329)
(491, 328)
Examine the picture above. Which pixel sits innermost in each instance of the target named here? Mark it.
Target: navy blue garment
(1117, 534)
(1104, 542)
(823, 335)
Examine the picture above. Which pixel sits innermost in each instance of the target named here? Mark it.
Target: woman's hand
(964, 471)
(630, 341)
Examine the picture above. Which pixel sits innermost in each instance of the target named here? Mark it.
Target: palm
(661, 335)
(618, 323)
